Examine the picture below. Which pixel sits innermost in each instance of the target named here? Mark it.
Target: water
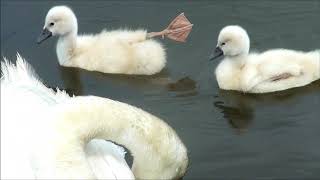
(228, 134)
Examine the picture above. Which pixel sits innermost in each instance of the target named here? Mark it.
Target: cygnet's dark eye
(51, 24)
(222, 44)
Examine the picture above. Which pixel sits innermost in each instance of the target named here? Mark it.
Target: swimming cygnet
(273, 70)
(119, 51)
(49, 135)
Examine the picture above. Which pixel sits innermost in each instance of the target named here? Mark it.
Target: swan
(118, 52)
(270, 71)
(50, 135)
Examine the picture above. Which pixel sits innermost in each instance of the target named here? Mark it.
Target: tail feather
(151, 57)
(22, 74)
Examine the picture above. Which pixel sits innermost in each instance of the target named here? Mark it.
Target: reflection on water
(183, 87)
(241, 111)
(239, 117)
(138, 81)
(183, 84)
(71, 79)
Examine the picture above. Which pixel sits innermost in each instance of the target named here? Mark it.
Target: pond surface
(228, 134)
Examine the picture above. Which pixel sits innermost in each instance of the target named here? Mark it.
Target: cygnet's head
(59, 21)
(232, 41)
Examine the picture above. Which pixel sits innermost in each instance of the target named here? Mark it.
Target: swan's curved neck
(157, 150)
(66, 46)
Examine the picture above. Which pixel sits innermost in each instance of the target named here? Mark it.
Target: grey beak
(217, 53)
(44, 35)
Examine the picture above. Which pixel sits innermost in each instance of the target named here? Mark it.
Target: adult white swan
(45, 134)
(273, 70)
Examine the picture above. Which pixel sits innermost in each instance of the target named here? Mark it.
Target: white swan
(273, 70)
(120, 51)
(44, 134)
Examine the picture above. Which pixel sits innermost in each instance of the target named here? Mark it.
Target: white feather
(25, 129)
(48, 135)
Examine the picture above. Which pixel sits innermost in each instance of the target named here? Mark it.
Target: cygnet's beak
(217, 53)
(44, 35)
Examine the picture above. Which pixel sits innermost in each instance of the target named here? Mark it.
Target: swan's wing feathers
(107, 160)
(281, 77)
(20, 72)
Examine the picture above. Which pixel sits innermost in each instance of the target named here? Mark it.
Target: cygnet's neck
(239, 60)
(66, 46)
(86, 118)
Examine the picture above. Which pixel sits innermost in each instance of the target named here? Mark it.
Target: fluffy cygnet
(273, 70)
(48, 135)
(120, 51)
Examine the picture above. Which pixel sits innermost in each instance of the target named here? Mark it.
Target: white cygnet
(119, 51)
(273, 70)
(50, 135)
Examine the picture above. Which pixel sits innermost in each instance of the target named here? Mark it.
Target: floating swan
(47, 134)
(120, 51)
(273, 70)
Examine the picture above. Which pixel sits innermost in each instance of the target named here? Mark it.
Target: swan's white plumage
(25, 129)
(43, 134)
(105, 157)
(258, 72)
(119, 51)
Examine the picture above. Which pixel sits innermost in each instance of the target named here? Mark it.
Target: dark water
(228, 134)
